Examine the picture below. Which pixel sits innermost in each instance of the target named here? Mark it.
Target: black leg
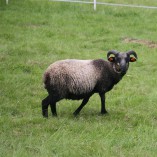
(103, 109)
(84, 102)
(45, 104)
(53, 108)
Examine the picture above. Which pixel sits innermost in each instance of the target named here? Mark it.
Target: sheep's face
(121, 61)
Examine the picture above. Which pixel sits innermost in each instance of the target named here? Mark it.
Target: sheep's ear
(132, 59)
(111, 59)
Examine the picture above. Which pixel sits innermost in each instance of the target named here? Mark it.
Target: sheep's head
(121, 60)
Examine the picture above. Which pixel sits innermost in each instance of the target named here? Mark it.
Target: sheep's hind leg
(45, 104)
(84, 102)
(53, 107)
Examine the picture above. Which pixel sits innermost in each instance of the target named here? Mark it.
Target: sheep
(80, 79)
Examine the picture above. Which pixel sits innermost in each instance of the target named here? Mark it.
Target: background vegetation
(34, 34)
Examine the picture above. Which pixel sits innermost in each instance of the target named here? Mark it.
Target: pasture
(34, 34)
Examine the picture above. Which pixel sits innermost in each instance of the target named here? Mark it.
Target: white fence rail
(103, 3)
(109, 4)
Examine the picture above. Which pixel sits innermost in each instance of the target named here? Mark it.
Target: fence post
(94, 4)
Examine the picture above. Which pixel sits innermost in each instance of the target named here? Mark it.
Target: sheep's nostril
(123, 70)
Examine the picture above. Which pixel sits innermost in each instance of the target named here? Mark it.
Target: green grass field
(35, 33)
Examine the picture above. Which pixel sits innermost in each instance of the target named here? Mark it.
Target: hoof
(75, 114)
(54, 115)
(45, 113)
(45, 116)
(104, 113)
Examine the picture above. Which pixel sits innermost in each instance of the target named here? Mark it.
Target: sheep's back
(73, 76)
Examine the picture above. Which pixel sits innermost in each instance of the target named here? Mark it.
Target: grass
(34, 34)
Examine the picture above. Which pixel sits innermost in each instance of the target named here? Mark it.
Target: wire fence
(94, 2)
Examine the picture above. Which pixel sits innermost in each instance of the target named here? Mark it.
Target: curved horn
(114, 52)
(131, 52)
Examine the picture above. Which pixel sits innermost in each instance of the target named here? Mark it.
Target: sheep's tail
(46, 80)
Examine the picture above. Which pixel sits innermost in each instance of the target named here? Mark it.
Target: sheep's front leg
(84, 102)
(103, 109)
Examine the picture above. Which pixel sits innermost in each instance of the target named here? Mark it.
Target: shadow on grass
(91, 114)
